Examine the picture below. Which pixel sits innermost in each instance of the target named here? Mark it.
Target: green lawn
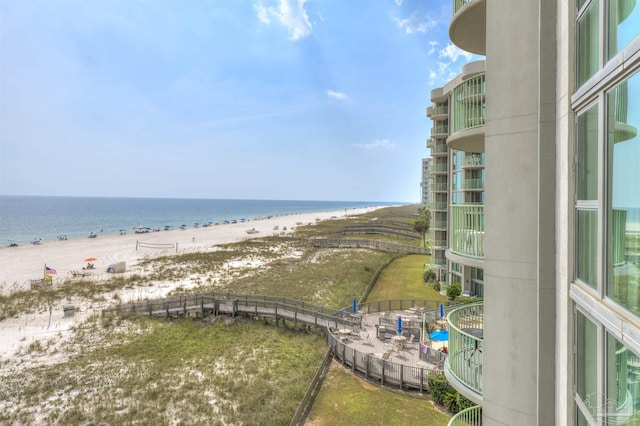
(403, 280)
(348, 400)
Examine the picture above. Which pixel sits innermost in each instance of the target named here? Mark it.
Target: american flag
(49, 271)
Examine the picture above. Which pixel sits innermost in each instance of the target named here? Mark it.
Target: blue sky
(262, 99)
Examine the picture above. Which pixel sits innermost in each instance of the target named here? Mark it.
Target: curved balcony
(440, 131)
(468, 27)
(463, 367)
(468, 115)
(438, 95)
(440, 112)
(471, 416)
(467, 230)
(620, 98)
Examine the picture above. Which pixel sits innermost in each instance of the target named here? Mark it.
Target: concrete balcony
(471, 416)
(468, 115)
(473, 184)
(438, 187)
(463, 367)
(438, 263)
(440, 131)
(468, 27)
(440, 244)
(467, 230)
(439, 225)
(439, 149)
(439, 168)
(473, 161)
(441, 206)
(440, 112)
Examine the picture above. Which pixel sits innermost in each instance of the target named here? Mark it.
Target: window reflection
(623, 204)
(624, 24)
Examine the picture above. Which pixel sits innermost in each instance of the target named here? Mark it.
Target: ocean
(24, 218)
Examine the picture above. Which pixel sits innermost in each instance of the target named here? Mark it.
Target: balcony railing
(438, 263)
(468, 104)
(440, 110)
(438, 187)
(439, 224)
(438, 243)
(473, 160)
(438, 205)
(467, 230)
(442, 129)
(439, 168)
(439, 148)
(457, 5)
(466, 337)
(471, 416)
(473, 184)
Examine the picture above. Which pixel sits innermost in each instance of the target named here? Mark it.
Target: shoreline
(19, 265)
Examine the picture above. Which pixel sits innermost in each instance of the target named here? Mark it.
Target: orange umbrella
(90, 259)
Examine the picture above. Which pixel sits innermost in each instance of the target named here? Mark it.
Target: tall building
(557, 338)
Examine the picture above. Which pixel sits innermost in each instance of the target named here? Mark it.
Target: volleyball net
(157, 246)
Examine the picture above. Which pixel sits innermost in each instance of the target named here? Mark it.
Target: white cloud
(433, 45)
(379, 144)
(398, 2)
(414, 24)
(453, 53)
(289, 13)
(336, 95)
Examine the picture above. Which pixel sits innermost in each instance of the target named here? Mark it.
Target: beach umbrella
(90, 259)
(441, 311)
(439, 335)
(399, 325)
(355, 305)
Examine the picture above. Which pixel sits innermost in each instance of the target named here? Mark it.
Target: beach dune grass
(238, 373)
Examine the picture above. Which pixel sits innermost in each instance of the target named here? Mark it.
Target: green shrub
(438, 387)
(436, 286)
(429, 275)
(453, 291)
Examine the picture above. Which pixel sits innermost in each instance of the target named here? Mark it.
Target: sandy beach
(19, 265)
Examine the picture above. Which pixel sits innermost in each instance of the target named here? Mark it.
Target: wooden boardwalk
(232, 304)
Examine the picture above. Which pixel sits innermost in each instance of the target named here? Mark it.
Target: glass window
(587, 179)
(587, 247)
(457, 160)
(624, 24)
(622, 404)
(623, 203)
(457, 180)
(588, 42)
(586, 362)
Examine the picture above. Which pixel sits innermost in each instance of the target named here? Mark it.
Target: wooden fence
(368, 244)
(382, 371)
(385, 230)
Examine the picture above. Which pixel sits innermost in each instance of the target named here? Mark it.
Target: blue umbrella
(439, 335)
(441, 311)
(399, 325)
(355, 305)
